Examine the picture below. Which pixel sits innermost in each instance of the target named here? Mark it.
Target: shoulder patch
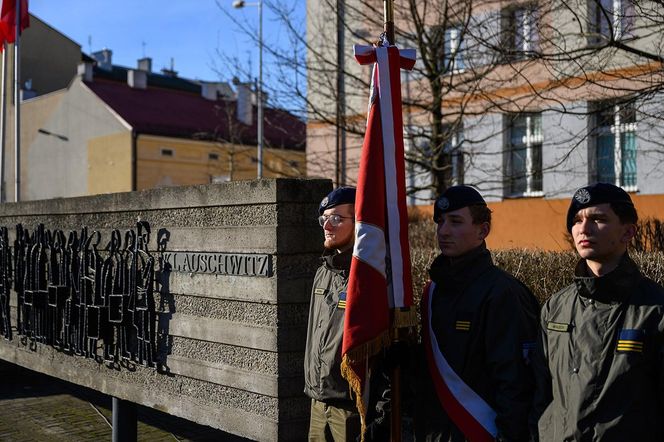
(319, 291)
(342, 300)
(630, 341)
(558, 326)
(463, 321)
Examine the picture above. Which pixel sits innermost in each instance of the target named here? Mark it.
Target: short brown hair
(480, 213)
(626, 212)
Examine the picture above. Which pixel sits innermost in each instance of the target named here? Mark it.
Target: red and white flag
(8, 20)
(380, 279)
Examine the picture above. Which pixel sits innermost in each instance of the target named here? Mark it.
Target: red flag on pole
(379, 284)
(8, 20)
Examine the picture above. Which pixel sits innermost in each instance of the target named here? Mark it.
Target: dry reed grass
(544, 272)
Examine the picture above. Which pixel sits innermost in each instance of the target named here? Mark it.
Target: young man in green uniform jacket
(599, 360)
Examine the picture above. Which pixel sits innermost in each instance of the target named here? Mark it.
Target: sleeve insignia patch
(342, 300)
(630, 341)
(463, 322)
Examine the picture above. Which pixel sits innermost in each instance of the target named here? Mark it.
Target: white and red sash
(469, 412)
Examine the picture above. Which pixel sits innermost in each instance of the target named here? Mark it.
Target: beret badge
(582, 196)
(443, 203)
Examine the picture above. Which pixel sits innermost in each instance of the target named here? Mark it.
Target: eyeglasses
(334, 220)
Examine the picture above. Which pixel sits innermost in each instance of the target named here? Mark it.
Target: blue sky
(189, 31)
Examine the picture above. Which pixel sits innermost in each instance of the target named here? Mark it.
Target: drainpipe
(134, 162)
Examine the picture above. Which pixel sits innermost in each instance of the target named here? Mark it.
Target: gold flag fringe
(404, 318)
(360, 355)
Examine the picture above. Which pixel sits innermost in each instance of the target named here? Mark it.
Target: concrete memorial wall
(218, 338)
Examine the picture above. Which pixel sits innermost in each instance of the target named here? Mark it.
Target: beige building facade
(89, 127)
(527, 101)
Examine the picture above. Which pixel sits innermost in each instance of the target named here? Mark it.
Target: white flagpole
(3, 125)
(17, 102)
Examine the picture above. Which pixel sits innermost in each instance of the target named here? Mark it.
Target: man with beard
(333, 412)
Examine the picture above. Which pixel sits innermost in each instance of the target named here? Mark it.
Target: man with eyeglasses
(333, 412)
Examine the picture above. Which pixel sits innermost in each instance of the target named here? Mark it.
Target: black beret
(456, 197)
(340, 195)
(594, 194)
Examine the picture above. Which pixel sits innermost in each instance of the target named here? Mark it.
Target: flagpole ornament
(379, 294)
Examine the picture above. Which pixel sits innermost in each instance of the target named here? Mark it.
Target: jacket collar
(455, 273)
(337, 262)
(610, 288)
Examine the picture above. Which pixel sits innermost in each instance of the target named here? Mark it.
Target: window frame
(454, 60)
(526, 29)
(621, 25)
(453, 148)
(623, 121)
(532, 143)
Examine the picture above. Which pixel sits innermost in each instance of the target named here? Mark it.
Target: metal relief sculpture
(5, 284)
(80, 298)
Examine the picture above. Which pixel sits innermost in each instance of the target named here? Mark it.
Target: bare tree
(520, 98)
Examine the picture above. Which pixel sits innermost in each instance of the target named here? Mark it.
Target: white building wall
(650, 147)
(59, 168)
(484, 164)
(565, 150)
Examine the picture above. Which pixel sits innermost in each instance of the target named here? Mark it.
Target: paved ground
(34, 407)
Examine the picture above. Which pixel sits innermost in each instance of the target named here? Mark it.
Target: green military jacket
(599, 359)
(485, 322)
(322, 357)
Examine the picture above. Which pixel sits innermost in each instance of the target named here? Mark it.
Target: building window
(212, 156)
(453, 56)
(614, 135)
(454, 156)
(521, 36)
(610, 19)
(524, 154)
(166, 152)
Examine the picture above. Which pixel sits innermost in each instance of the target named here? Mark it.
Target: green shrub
(544, 272)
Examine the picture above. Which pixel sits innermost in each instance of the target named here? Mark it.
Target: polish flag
(379, 285)
(8, 20)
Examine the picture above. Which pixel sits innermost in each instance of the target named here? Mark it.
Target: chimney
(85, 71)
(209, 91)
(245, 108)
(145, 64)
(137, 79)
(214, 90)
(104, 59)
(225, 90)
(170, 72)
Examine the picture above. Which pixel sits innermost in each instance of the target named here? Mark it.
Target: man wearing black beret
(333, 412)
(479, 325)
(599, 358)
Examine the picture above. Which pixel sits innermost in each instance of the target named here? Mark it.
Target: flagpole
(3, 124)
(395, 381)
(388, 20)
(17, 102)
